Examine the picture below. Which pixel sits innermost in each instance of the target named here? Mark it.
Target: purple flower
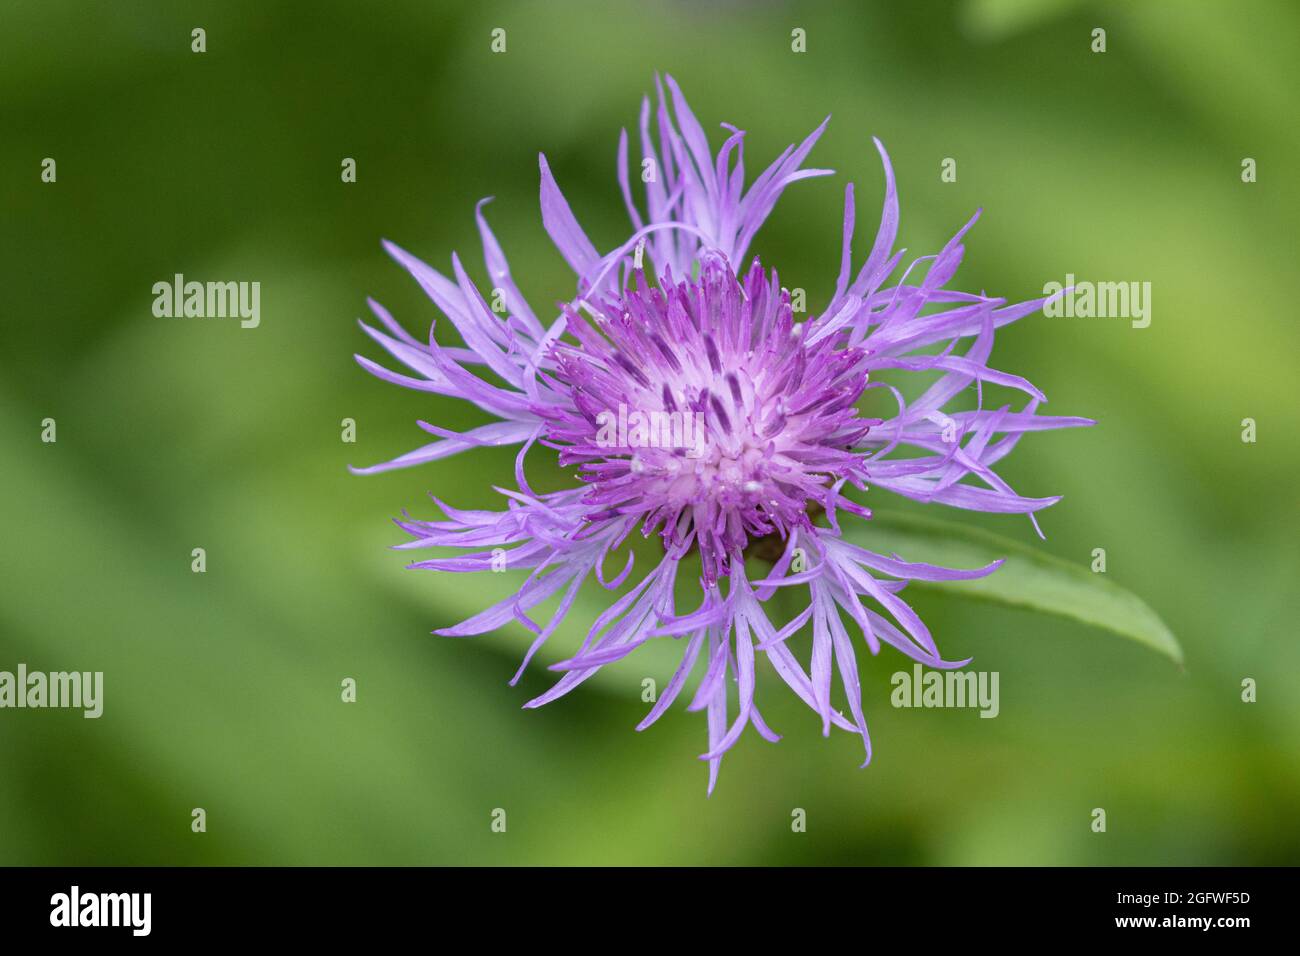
(696, 408)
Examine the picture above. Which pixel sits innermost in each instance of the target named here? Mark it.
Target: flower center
(707, 412)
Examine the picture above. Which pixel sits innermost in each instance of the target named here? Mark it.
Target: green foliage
(1028, 578)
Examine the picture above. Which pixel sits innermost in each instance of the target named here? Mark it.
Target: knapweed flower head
(692, 404)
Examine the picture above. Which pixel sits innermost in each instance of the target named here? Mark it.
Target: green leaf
(1029, 578)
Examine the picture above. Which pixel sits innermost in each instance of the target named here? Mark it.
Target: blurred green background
(222, 690)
